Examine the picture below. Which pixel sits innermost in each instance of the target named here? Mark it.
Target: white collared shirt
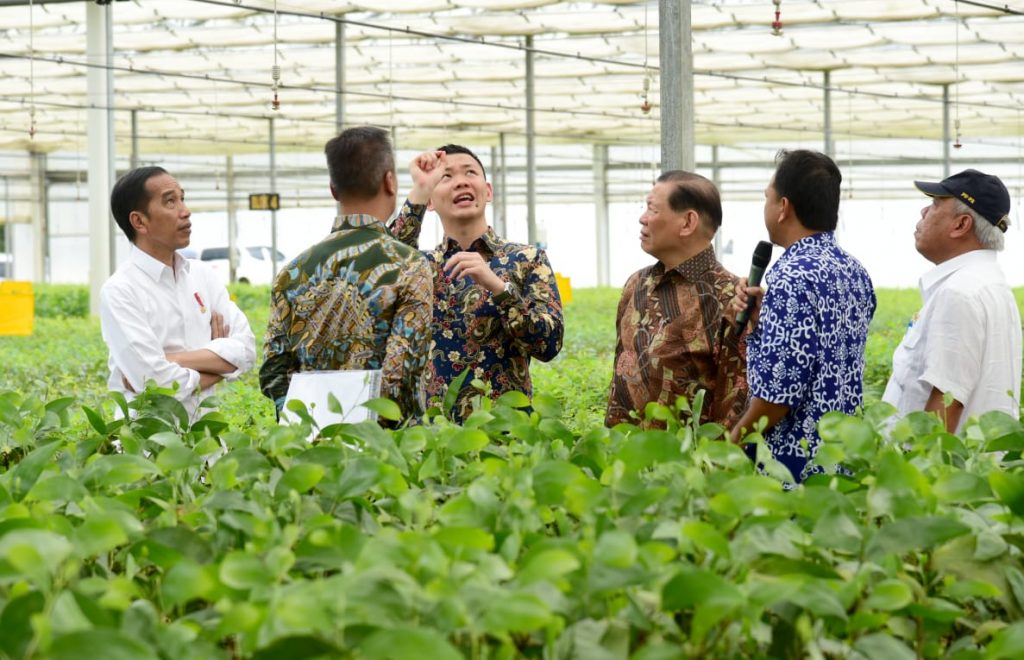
(966, 341)
(147, 310)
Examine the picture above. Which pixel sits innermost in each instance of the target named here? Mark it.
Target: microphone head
(762, 254)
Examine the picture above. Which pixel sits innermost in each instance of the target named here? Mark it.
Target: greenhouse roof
(198, 72)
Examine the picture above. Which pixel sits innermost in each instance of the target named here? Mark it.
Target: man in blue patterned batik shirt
(496, 303)
(805, 357)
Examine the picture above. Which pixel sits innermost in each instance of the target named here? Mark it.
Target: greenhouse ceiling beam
(677, 106)
(97, 52)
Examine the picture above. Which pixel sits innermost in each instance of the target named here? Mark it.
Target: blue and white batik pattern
(807, 351)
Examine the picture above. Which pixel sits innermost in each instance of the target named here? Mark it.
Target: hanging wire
(275, 71)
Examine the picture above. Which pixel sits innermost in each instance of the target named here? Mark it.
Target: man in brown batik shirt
(675, 326)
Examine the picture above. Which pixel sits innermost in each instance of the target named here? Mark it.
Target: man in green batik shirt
(359, 299)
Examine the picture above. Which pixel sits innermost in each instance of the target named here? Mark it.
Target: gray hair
(990, 236)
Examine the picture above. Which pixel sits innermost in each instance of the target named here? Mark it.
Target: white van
(252, 263)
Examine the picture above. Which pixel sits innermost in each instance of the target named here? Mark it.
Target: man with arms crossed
(675, 328)
(966, 341)
(496, 303)
(805, 357)
(166, 318)
(358, 299)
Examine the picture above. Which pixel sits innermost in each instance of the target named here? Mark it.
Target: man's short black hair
(130, 194)
(459, 149)
(358, 159)
(810, 180)
(692, 191)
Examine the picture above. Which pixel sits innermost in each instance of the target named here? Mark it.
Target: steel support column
(830, 145)
(273, 213)
(98, 153)
(108, 22)
(601, 214)
(531, 175)
(40, 219)
(716, 178)
(229, 174)
(339, 76)
(945, 130)
(676, 81)
(503, 179)
(135, 139)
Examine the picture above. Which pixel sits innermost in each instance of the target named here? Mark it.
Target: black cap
(984, 193)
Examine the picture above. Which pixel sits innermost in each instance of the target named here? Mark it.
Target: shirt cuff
(230, 351)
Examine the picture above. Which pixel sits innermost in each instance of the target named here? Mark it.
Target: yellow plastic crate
(17, 308)
(564, 288)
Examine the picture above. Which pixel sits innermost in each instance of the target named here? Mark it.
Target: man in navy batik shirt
(805, 356)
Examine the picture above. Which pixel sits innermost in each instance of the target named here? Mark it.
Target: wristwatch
(504, 294)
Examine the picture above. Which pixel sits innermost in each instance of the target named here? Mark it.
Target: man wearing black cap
(966, 340)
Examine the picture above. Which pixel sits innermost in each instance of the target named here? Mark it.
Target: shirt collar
(487, 242)
(154, 268)
(939, 273)
(357, 221)
(691, 269)
(812, 242)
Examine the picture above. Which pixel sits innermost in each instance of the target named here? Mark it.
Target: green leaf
(29, 549)
(692, 587)
(58, 488)
(835, 530)
(187, 581)
(616, 548)
(99, 534)
(300, 477)
(647, 448)
(961, 487)
(707, 537)
(890, 595)
(516, 612)
(408, 643)
(95, 420)
(359, 476)
(385, 408)
(915, 533)
(514, 399)
(547, 565)
(99, 643)
(1003, 432)
(465, 537)
(881, 645)
(1009, 488)
(117, 470)
(551, 478)
(16, 623)
(177, 457)
(241, 570)
(300, 647)
(1007, 643)
(27, 472)
(467, 440)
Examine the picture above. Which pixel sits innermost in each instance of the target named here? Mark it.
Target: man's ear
(963, 225)
(390, 183)
(490, 191)
(138, 222)
(785, 209)
(334, 193)
(690, 224)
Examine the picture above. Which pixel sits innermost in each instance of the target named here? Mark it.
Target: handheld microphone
(762, 255)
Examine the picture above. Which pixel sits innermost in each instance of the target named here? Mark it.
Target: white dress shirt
(148, 310)
(966, 341)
